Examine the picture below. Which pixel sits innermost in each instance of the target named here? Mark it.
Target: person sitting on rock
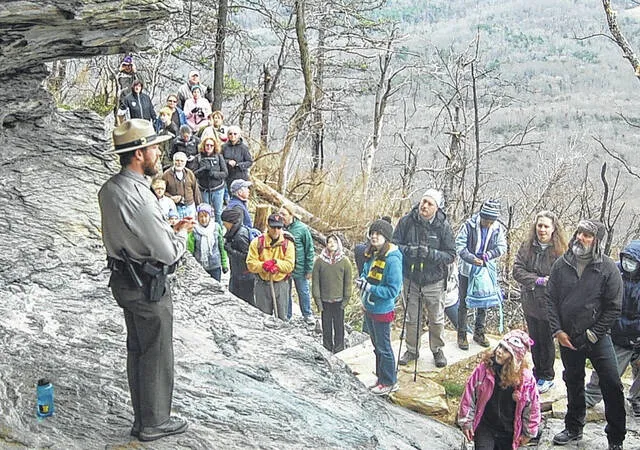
(197, 109)
(184, 91)
(206, 243)
(500, 406)
(124, 79)
(331, 285)
(187, 143)
(272, 257)
(236, 243)
(138, 105)
(182, 186)
(165, 127)
(216, 128)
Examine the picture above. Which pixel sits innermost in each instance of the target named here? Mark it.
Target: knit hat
(127, 60)
(436, 195)
(196, 86)
(382, 227)
(490, 210)
(232, 215)
(518, 343)
(204, 207)
(591, 226)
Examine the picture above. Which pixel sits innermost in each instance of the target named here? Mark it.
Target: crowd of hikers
(570, 291)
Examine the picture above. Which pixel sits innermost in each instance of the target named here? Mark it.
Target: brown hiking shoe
(462, 343)
(482, 340)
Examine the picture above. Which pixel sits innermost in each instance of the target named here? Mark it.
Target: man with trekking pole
(426, 241)
(272, 257)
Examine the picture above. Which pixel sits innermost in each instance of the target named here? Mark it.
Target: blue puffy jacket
(381, 299)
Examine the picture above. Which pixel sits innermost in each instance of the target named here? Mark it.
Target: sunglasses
(172, 101)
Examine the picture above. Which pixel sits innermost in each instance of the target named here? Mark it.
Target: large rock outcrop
(244, 380)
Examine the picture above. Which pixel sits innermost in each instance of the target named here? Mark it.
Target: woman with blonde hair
(545, 243)
(211, 173)
(500, 407)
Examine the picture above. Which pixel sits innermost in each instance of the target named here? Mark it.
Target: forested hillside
(383, 94)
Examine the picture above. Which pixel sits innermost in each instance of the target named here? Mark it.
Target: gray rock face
(243, 380)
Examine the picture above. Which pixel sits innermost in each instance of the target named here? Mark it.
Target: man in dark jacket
(138, 103)
(625, 332)
(236, 243)
(584, 298)
(425, 239)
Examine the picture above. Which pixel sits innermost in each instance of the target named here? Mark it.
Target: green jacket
(305, 252)
(191, 246)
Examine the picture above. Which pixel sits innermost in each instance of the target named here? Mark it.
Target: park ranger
(142, 249)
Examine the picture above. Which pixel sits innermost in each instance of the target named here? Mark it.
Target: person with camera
(142, 249)
(425, 238)
(197, 108)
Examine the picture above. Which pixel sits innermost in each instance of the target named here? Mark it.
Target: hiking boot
(481, 339)
(383, 389)
(566, 436)
(615, 447)
(173, 425)
(545, 385)
(310, 320)
(462, 342)
(407, 357)
(439, 359)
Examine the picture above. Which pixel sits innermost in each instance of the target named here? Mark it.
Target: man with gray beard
(584, 297)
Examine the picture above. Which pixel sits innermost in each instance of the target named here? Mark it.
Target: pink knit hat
(518, 343)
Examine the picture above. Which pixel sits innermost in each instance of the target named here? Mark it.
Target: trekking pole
(404, 321)
(418, 329)
(273, 298)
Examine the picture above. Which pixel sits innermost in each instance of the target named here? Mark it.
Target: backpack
(254, 233)
(483, 290)
(285, 242)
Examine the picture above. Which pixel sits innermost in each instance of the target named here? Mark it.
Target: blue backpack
(483, 290)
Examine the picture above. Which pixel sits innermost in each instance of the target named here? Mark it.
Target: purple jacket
(478, 391)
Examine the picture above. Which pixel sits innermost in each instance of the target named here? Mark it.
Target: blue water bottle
(45, 398)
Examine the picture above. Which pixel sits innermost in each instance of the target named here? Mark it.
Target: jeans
(624, 357)
(216, 273)
(214, 198)
(603, 359)
(333, 326)
(452, 313)
(481, 313)
(543, 352)
(485, 439)
(187, 211)
(431, 298)
(380, 333)
(304, 296)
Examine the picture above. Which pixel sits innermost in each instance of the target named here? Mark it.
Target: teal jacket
(382, 297)
(305, 252)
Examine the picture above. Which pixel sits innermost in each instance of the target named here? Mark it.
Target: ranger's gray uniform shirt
(132, 219)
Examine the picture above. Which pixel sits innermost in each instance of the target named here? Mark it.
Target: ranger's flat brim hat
(134, 134)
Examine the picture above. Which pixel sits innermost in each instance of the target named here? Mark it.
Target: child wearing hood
(500, 407)
(331, 290)
(206, 243)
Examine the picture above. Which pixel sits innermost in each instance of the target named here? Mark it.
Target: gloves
(541, 281)
(225, 269)
(423, 251)
(363, 285)
(268, 265)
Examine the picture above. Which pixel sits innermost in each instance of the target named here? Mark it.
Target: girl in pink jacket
(500, 407)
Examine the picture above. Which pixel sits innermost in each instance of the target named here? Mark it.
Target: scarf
(337, 256)
(208, 242)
